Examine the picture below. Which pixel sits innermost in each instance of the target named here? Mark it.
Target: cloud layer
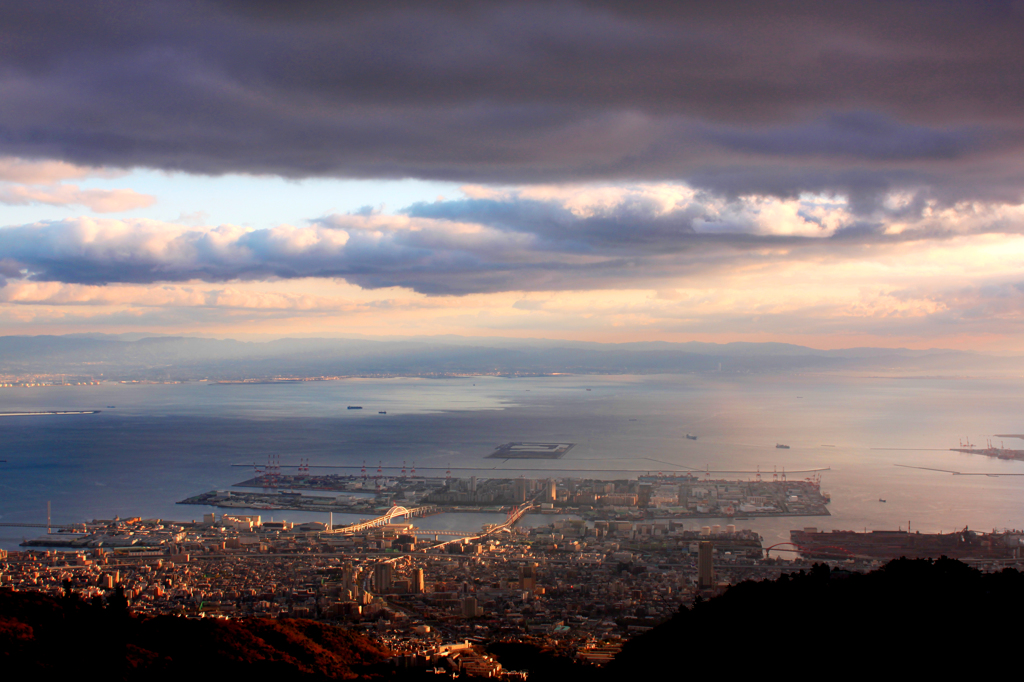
(731, 168)
(779, 98)
(538, 238)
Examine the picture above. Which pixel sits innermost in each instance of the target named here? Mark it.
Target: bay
(163, 442)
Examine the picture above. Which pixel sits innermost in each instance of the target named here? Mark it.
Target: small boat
(111, 407)
(880, 499)
(382, 412)
(355, 407)
(780, 446)
(690, 436)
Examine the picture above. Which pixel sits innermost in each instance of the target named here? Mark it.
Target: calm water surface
(162, 443)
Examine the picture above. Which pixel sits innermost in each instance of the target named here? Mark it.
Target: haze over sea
(164, 442)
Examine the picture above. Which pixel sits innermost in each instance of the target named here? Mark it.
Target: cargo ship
(894, 544)
(780, 446)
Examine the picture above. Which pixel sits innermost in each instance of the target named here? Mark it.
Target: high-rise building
(383, 574)
(705, 569)
(528, 577)
(348, 577)
(470, 609)
(550, 490)
(521, 489)
(417, 581)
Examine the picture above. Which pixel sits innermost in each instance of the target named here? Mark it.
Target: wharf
(270, 501)
(997, 453)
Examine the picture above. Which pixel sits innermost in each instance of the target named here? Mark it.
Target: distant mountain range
(139, 356)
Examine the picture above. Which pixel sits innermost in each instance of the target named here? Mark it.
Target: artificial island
(650, 496)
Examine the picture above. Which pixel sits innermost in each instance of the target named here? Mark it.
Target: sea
(152, 445)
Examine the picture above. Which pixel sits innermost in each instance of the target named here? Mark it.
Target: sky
(830, 174)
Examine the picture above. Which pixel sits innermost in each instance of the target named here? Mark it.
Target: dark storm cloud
(737, 97)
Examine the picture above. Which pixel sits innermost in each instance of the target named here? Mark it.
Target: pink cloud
(13, 169)
(97, 200)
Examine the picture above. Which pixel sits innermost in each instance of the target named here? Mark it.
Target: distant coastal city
(580, 586)
(56, 381)
(524, 538)
(615, 560)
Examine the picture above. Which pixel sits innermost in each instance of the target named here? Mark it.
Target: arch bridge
(395, 512)
(836, 551)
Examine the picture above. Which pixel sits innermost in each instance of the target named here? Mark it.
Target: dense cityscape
(615, 563)
(572, 586)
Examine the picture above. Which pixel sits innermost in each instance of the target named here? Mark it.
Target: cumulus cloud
(537, 238)
(373, 251)
(737, 97)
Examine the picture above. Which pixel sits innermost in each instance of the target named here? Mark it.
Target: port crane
(269, 473)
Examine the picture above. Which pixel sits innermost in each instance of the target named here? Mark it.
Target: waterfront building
(550, 491)
(521, 489)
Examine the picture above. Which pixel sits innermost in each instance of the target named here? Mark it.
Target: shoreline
(47, 412)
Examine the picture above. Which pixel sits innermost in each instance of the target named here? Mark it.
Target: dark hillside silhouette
(43, 638)
(911, 617)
